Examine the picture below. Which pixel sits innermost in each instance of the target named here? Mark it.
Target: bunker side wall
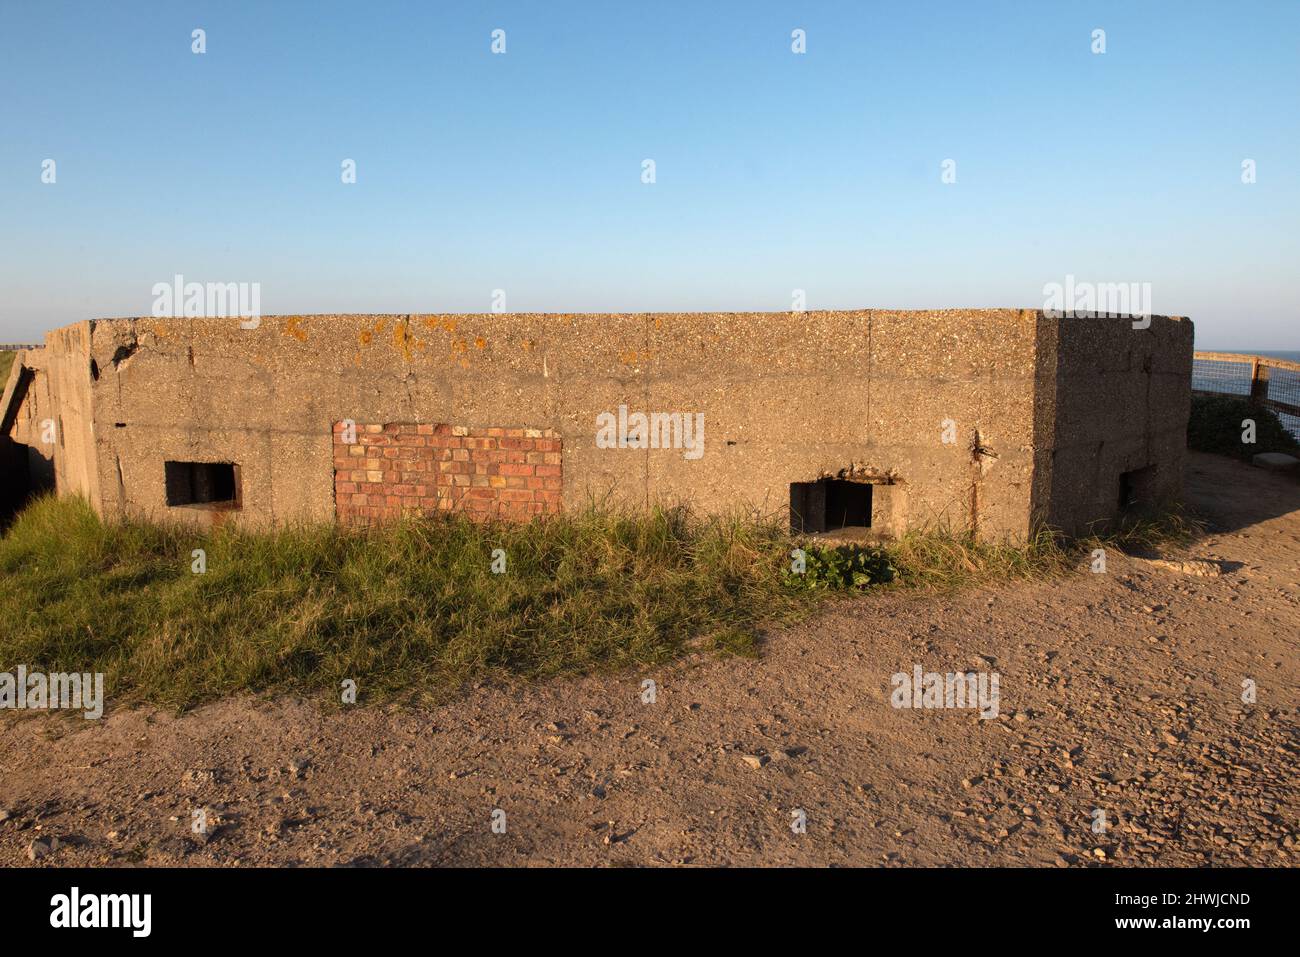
(55, 418)
(1122, 401)
(785, 398)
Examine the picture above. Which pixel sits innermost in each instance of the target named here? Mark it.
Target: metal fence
(1272, 383)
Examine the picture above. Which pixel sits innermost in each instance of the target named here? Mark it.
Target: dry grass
(414, 610)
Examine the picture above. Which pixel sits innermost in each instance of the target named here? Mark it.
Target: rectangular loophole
(828, 505)
(1135, 488)
(202, 484)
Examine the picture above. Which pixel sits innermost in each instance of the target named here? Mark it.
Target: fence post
(1258, 382)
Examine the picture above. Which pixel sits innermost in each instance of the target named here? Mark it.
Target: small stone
(1195, 566)
(38, 849)
(197, 776)
(755, 761)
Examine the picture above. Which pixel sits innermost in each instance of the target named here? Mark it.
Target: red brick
(506, 472)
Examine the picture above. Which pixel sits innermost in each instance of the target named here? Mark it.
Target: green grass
(1215, 426)
(414, 611)
(6, 360)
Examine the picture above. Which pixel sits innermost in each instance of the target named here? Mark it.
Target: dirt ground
(1120, 694)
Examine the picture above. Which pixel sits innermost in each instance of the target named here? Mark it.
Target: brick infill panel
(398, 469)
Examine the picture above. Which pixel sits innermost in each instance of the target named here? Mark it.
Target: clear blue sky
(775, 171)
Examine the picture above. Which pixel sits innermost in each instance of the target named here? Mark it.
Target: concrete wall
(1119, 399)
(785, 398)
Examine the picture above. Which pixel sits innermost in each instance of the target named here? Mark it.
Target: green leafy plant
(842, 567)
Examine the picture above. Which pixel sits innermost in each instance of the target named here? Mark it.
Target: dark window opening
(1135, 488)
(829, 504)
(209, 484)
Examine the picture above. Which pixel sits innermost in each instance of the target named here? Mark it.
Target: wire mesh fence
(1272, 382)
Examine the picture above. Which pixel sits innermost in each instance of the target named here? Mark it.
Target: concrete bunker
(845, 415)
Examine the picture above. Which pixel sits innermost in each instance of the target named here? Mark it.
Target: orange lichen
(292, 328)
(403, 340)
